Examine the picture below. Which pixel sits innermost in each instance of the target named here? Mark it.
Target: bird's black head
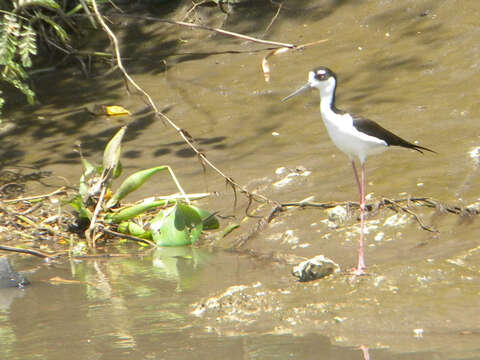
(321, 78)
(322, 73)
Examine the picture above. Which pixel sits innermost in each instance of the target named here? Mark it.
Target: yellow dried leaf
(116, 110)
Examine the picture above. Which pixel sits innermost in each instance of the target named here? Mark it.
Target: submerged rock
(9, 277)
(315, 268)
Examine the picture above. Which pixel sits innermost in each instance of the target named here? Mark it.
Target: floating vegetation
(99, 216)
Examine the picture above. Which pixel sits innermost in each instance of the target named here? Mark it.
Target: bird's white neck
(327, 96)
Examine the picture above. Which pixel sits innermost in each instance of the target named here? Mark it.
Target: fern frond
(27, 45)
(15, 79)
(9, 31)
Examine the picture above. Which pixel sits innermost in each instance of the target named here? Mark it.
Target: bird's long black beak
(296, 92)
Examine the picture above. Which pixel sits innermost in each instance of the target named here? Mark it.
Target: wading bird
(354, 135)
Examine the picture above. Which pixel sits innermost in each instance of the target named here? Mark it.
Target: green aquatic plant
(167, 221)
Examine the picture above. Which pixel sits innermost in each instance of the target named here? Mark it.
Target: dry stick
(410, 212)
(259, 226)
(217, 30)
(90, 232)
(194, 7)
(29, 251)
(182, 132)
(56, 192)
(229, 33)
(429, 202)
(273, 19)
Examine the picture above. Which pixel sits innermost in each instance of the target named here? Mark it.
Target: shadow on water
(166, 44)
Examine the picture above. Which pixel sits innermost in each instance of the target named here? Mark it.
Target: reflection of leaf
(181, 264)
(177, 227)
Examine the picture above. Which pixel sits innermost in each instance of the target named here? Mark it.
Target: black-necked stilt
(354, 135)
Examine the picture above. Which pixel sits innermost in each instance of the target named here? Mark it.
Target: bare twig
(260, 225)
(274, 18)
(410, 212)
(194, 6)
(90, 232)
(422, 201)
(29, 198)
(30, 252)
(208, 28)
(158, 113)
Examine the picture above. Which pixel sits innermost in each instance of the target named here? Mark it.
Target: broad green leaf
(132, 183)
(132, 211)
(177, 227)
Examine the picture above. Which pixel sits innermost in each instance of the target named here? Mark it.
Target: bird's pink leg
(361, 183)
(356, 178)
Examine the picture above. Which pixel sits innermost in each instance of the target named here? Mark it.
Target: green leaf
(132, 228)
(132, 211)
(111, 154)
(177, 227)
(118, 170)
(88, 168)
(132, 183)
(51, 4)
(79, 206)
(83, 188)
(59, 30)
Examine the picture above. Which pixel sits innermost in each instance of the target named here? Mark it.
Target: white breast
(348, 139)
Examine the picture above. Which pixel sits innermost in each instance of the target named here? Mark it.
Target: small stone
(315, 268)
(338, 214)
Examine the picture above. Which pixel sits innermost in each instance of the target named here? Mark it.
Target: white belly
(349, 140)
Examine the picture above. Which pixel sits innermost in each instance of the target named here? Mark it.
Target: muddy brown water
(411, 65)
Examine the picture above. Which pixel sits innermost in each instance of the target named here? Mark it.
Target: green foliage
(133, 211)
(17, 43)
(178, 226)
(132, 183)
(51, 4)
(175, 224)
(23, 25)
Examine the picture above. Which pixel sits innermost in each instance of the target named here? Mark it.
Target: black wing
(371, 128)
